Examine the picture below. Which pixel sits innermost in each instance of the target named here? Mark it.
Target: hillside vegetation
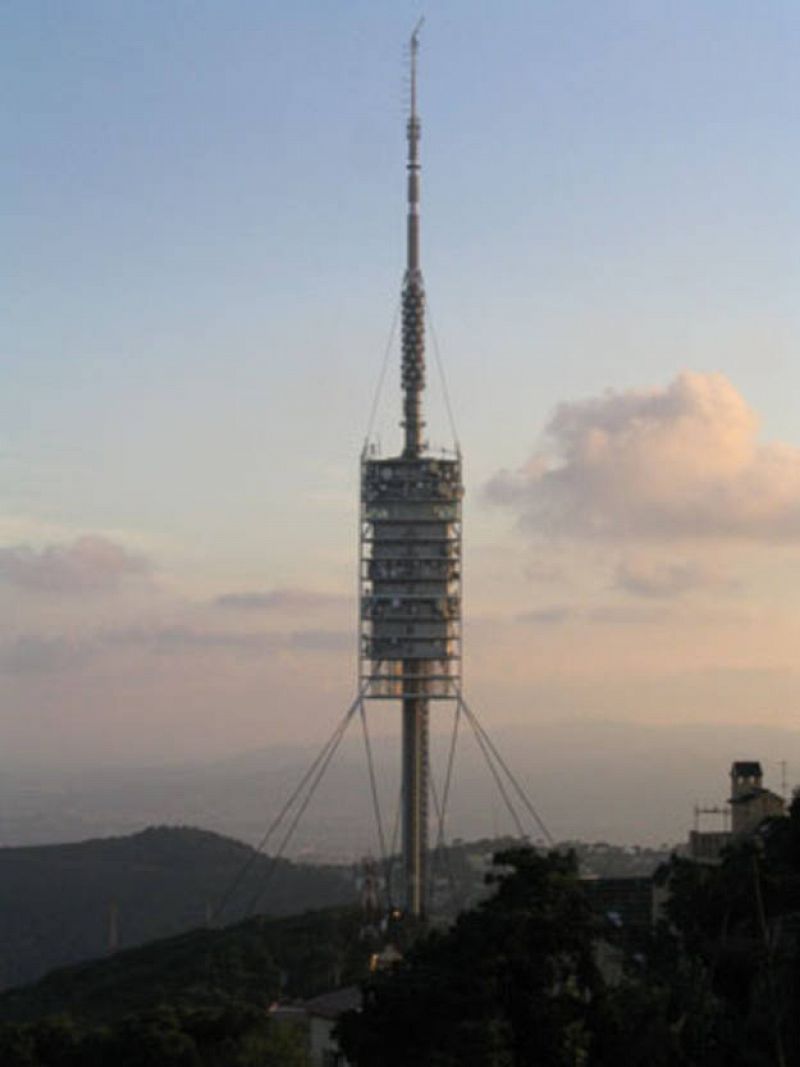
(516, 981)
(57, 901)
(196, 1000)
(252, 962)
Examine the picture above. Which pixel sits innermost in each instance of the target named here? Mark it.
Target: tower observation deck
(410, 566)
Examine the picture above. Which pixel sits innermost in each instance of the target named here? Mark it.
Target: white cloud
(665, 579)
(177, 639)
(87, 564)
(46, 653)
(551, 615)
(681, 462)
(37, 654)
(603, 614)
(289, 600)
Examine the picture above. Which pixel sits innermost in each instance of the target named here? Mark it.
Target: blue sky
(203, 227)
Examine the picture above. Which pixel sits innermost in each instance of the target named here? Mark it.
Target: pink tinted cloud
(667, 579)
(48, 653)
(288, 600)
(40, 654)
(90, 563)
(677, 462)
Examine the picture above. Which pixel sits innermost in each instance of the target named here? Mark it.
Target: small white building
(318, 1016)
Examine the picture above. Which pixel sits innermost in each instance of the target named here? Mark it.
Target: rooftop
(746, 769)
(332, 1005)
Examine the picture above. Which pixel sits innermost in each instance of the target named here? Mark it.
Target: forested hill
(59, 904)
(252, 962)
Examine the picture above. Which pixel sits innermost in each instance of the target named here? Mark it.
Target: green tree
(509, 985)
(17, 1048)
(153, 1039)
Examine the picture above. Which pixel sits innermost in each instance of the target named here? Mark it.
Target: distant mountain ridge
(60, 904)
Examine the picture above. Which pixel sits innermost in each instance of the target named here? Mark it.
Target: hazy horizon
(601, 781)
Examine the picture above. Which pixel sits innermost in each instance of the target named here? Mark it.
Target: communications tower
(409, 605)
(410, 566)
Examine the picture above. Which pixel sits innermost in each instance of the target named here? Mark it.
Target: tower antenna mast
(413, 302)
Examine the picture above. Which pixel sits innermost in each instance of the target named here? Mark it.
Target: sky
(202, 254)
